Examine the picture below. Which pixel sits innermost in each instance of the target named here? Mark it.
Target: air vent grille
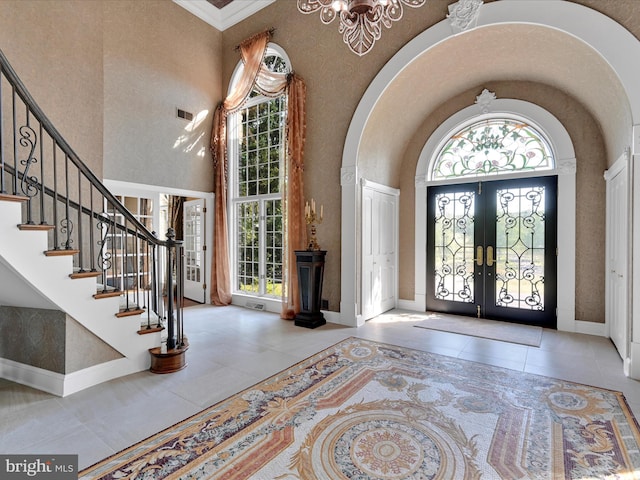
(184, 114)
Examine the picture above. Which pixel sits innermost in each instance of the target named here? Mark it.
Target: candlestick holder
(313, 220)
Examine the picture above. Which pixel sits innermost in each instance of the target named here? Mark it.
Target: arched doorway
(565, 27)
(491, 196)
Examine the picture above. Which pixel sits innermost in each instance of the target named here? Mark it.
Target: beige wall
(110, 76)
(336, 80)
(158, 57)
(56, 49)
(51, 340)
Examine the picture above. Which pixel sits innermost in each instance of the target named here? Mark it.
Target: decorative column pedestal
(310, 267)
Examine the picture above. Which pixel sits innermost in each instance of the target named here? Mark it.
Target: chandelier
(361, 21)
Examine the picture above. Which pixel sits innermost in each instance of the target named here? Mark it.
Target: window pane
(273, 247)
(248, 278)
(261, 148)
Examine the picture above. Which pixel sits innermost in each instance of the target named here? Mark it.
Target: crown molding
(223, 18)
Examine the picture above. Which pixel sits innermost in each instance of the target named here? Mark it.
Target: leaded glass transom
(492, 147)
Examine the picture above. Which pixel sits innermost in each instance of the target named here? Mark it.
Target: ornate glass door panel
(491, 250)
(452, 218)
(521, 282)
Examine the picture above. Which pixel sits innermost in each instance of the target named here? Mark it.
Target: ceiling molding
(223, 18)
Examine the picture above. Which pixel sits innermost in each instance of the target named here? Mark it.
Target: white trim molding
(226, 17)
(463, 15)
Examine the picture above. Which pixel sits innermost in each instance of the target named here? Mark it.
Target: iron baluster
(42, 177)
(28, 183)
(92, 265)
(2, 173)
(66, 222)
(104, 255)
(115, 237)
(125, 265)
(55, 195)
(80, 243)
(171, 334)
(15, 143)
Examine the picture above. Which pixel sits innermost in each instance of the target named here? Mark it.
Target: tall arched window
(492, 146)
(257, 146)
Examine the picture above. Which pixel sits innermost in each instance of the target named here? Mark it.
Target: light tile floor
(232, 348)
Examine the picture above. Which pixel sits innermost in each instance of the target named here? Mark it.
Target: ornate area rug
(366, 410)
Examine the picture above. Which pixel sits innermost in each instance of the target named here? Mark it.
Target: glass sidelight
(491, 250)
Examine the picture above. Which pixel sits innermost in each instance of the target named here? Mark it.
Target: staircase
(68, 245)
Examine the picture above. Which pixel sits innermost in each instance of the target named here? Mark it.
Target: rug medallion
(365, 410)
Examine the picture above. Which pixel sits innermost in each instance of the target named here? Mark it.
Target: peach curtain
(256, 75)
(296, 226)
(252, 52)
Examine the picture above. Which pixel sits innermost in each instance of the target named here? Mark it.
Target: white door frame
(119, 187)
(196, 290)
(391, 261)
(565, 169)
(617, 281)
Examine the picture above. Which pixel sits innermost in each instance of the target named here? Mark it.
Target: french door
(491, 250)
(194, 244)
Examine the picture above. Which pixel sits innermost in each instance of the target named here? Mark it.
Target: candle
(321, 211)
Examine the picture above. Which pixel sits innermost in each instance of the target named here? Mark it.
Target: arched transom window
(492, 146)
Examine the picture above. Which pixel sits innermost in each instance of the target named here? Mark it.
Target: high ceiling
(223, 14)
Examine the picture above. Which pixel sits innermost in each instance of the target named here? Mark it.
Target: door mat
(479, 327)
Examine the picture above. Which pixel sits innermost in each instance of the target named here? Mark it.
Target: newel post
(172, 358)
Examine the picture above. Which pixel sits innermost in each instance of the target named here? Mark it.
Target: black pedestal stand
(310, 265)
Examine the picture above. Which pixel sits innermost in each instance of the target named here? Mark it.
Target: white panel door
(379, 250)
(617, 258)
(194, 245)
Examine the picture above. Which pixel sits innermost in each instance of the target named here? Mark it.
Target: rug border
(628, 413)
(200, 412)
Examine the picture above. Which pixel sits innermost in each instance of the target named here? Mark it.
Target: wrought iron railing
(62, 195)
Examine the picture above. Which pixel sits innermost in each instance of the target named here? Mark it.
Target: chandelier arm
(361, 21)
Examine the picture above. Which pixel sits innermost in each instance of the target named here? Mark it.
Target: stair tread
(114, 293)
(144, 331)
(61, 252)
(87, 274)
(130, 312)
(36, 227)
(13, 198)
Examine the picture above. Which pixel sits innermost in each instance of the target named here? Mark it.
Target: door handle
(479, 255)
(489, 256)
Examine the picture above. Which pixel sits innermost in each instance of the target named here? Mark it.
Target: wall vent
(256, 306)
(184, 114)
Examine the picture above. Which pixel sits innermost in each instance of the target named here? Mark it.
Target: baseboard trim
(60, 384)
(591, 328)
(34, 377)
